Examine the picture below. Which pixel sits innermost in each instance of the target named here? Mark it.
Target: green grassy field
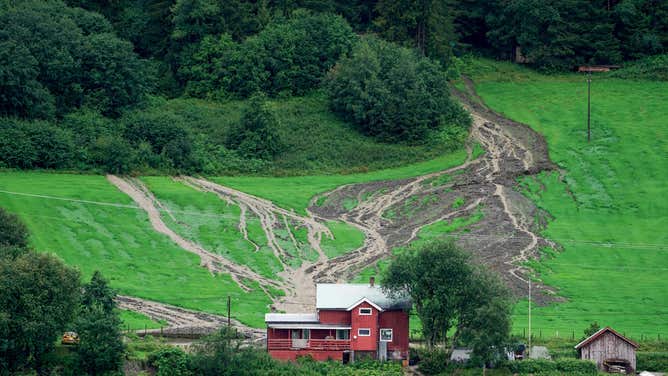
(119, 241)
(136, 321)
(611, 209)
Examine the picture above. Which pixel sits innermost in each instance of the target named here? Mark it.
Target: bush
(392, 94)
(255, 136)
(170, 361)
(652, 361)
(653, 68)
(433, 362)
(540, 366)
(34, 144)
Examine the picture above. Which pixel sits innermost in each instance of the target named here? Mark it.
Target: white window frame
(380, 337)
(366, 314)
(344, 333)
(364, 335)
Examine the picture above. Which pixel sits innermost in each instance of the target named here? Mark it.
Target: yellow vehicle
(70, 338)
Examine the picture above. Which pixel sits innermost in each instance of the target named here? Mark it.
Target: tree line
(82, 97)
(550, 34)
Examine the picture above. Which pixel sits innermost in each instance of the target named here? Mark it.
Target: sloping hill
(608, 201)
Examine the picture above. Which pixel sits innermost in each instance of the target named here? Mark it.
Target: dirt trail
(395, 211)
(214, 262)
(184, 320)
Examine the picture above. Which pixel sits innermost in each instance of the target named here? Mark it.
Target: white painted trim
(374, 305)
(365, 314)
(364, 335)
(380, 335)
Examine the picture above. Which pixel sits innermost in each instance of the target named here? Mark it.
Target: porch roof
(306, 326)
(291, 318)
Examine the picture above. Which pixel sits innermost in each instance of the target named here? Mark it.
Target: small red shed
(351, 321)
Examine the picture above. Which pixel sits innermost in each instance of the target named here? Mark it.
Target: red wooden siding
(362, 322)
(398, 322)
(334, 317)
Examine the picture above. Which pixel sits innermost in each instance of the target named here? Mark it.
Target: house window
(342, 334)
(386, 335)
(364, 332)
(365, 311)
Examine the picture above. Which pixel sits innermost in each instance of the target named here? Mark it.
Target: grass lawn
(120, 242)
(611, 210)
(136, 321)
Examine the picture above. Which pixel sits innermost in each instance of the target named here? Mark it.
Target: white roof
(344, 295)
(291, 317)
(306, 326)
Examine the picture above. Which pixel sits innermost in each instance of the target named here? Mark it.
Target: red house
(351, 321)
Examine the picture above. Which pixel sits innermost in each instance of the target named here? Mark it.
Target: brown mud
(391, 213)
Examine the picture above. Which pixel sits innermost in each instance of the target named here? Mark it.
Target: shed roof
(344, 295)
(594, 336)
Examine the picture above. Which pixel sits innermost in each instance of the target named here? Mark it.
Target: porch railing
(308, 344)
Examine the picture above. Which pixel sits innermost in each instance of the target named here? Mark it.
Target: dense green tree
(256, 136)
(34, 144)
(166, 133)
(195, 19)
(391, 93)
(39, 298)
(100, 348)
(285, 58)
(13, 235)
(69, 58)
(448, 292)
(426, 25)
(113, 77)
(21, 93)
(554, 34)
(641, 27)
(113, 154)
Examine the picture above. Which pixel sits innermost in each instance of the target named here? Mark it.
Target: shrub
(170, 361)
(652, 361)
(391, 93)
(433, 362)
(653, 68)
(573, 366)
(541, 366)
(255, 136)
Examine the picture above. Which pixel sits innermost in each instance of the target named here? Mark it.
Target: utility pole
(588, 109)
(529, 347)
(229, 309)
